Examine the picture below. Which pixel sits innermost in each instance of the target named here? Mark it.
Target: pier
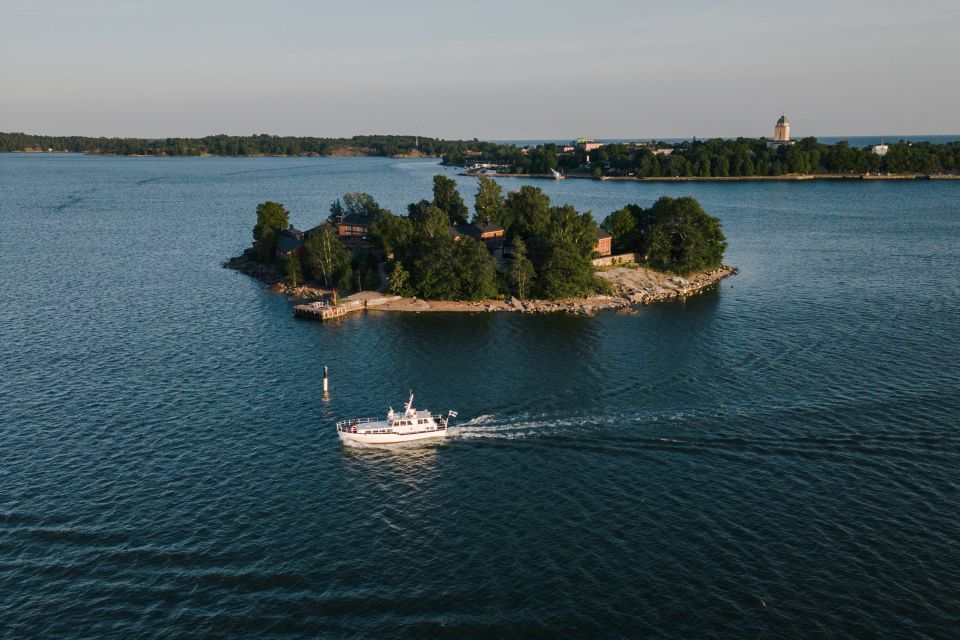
(323, 310)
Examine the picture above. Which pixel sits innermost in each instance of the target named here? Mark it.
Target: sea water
(778, 456)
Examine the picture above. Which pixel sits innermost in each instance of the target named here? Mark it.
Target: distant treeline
(224, 145)
(742, 157)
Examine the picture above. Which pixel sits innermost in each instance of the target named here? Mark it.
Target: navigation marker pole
(326, 383)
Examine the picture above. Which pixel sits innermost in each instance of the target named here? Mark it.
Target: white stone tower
(781, 132)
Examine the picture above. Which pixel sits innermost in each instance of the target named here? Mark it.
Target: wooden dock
(322, 310)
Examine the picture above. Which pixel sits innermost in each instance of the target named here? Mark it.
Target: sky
(492, 70)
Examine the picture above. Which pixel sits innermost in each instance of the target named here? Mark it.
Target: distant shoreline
(784, 178)
(336, 154)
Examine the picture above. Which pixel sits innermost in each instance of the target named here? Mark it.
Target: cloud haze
(494, 70)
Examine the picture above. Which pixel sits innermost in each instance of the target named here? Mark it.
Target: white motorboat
(409, 426)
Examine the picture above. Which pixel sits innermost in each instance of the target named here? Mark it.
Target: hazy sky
(491, 69)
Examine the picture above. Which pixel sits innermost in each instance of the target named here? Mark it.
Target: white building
(880, 149)
(781, 133)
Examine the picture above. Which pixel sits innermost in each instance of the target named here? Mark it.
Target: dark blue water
(776, 458)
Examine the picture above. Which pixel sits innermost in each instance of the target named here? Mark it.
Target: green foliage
(398, 281)
(474, 269)
(527, 212)
(429, 220)
(565, 273)
(432, 270)
(742, 157)
(489, 203)
(359, 203)
(271, 218)
(337, 212)
(622, 225)
(447, 198)
(521, 270)
(366, 274)
(568, 226)
(293, 270)
(390, 233)
(327, 259)
(255, 145)
(716, 157)
(677, 235)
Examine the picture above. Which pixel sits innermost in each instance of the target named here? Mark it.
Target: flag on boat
(453, 414)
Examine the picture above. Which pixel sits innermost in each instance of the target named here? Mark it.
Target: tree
(432, 269)
(622, 225)
(293, 270)
(271, 218)
(565, 273)
(489, 202)
(566, 225)
(389, 232)
(677, 235)
(336, 212)
(447, 198)
(527, 212)
(397, 283)
(429, 220)
(521, 270)
(327, 258)
(359, 203)
(474, 270)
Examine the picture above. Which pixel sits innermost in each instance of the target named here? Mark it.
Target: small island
(517, 252)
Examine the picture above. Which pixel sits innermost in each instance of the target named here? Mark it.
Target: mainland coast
(806, 177)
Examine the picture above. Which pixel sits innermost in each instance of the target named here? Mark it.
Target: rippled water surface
(778, 457)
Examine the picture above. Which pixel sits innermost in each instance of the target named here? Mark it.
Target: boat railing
(344, 425)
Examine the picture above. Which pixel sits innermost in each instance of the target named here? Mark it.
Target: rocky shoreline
(630, 286)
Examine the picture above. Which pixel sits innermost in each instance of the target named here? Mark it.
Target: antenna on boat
(409, 404)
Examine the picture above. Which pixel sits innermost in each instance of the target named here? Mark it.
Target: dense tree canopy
(262, 144)
(720, 158)
(489, 202)
(675, 234)
(448, 199)
(527, 212)
(327, 259)
(547, 252)
(271, 218)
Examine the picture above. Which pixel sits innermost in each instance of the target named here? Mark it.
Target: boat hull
(346, 437)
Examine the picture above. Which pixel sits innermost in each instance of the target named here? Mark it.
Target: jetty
(327, 310)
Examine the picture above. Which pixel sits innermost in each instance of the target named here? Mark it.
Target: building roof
(289, 240)
(475, 229)
(782, 120)
(602, 233)
(486, 227)
(357, 219)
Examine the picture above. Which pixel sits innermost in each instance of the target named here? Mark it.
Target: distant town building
(588, 145)
(880, 149)
(781, 133)
(604, 243)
